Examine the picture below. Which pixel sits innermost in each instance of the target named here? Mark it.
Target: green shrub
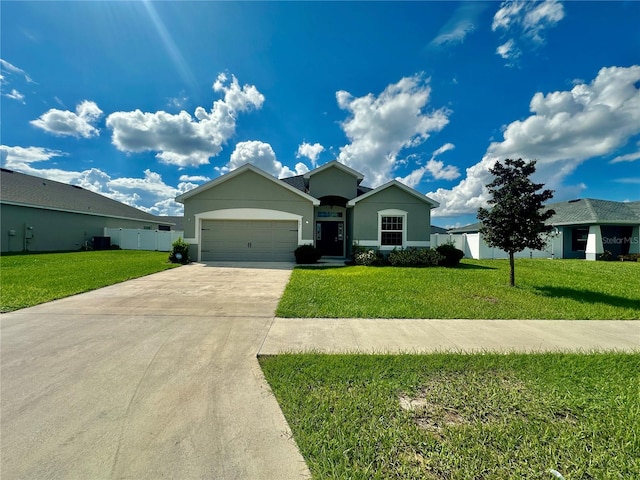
(179, 252)
(415, 257)
(307, 254)
(369, 258)
(451, 255)
(629, 257)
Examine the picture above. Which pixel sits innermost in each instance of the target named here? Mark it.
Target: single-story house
(247, 214)
(38, 214)
(584, 228)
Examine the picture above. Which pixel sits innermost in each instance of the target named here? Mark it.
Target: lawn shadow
(319, 266)
(589, 296)
(469, 266)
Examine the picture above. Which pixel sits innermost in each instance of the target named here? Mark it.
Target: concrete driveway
(153, 378)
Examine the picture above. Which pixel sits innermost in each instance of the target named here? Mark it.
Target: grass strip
(462, 416)
(28, 280)
(546, 289)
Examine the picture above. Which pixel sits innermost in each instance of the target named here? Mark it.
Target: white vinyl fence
(136, 239)
(474, 246)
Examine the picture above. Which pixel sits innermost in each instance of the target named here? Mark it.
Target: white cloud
(508, 50)
(261, 155)
(462, 23)
(149, 194)
(444, 148)
(525, 22)
(379, 128)
(66, 123)
(180, 139)
(15, 157)
(194, 178)
(310, 151)
(631, 180)
(629, 157)
(565, 129)
(14, 95)
(13, 70)
(435, 168)
(177, 102)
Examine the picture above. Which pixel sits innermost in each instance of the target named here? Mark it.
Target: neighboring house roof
(177, 221)
(589, 211)
(239, 171)
(336, 164)
(584, 211)
(471, 228)
(29, 191)
(401, 186)
(435, 229)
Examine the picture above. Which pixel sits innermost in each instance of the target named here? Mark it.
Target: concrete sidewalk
(332, 335)
(152, 378)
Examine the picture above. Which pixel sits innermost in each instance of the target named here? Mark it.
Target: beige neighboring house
(37, 214)
(250, 215)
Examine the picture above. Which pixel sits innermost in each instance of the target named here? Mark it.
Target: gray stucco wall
(55, 230)
(365, 214)
(248, 190)
(333, 181)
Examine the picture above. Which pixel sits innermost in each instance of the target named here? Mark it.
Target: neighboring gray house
(248, 214)
(38, 214)
(584, 228)
(590, 227)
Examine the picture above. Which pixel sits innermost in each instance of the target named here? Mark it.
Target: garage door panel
(248, 240)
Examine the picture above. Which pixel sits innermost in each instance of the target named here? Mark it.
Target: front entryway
(330, 238)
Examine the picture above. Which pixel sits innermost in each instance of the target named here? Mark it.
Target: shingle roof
(297, 182)
(178, 221)
(22, 189)
(585, 211)
(591, 211)
(471, 228)
(440, 230)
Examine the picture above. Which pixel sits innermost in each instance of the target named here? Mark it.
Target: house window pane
(392, 238)
(391, 231)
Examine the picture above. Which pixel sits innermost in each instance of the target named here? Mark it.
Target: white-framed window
(392, 228)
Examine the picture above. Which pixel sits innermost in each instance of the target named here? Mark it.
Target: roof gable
(37, 192)
(247, 167)
(397, 184)
(335, 164)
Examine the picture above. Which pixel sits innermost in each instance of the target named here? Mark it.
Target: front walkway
(341, 335)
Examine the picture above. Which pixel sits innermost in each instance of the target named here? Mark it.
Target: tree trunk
(512, 273)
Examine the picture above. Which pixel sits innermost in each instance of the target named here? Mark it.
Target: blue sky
(142, 101)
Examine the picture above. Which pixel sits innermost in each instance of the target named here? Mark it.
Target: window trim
(392, 213)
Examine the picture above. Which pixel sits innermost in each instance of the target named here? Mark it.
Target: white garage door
(249, 240)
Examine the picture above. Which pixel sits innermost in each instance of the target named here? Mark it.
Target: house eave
(396, 183)
(334, 163)
(80, 212)
(239, 171)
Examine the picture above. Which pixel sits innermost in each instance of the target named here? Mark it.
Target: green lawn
(489, 416)
(27, 280)
(546, 289)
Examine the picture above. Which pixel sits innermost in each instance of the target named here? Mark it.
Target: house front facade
(249, 215)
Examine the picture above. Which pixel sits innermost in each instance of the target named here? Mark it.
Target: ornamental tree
(516, 219)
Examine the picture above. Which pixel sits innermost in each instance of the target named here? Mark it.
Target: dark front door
(330, 238)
